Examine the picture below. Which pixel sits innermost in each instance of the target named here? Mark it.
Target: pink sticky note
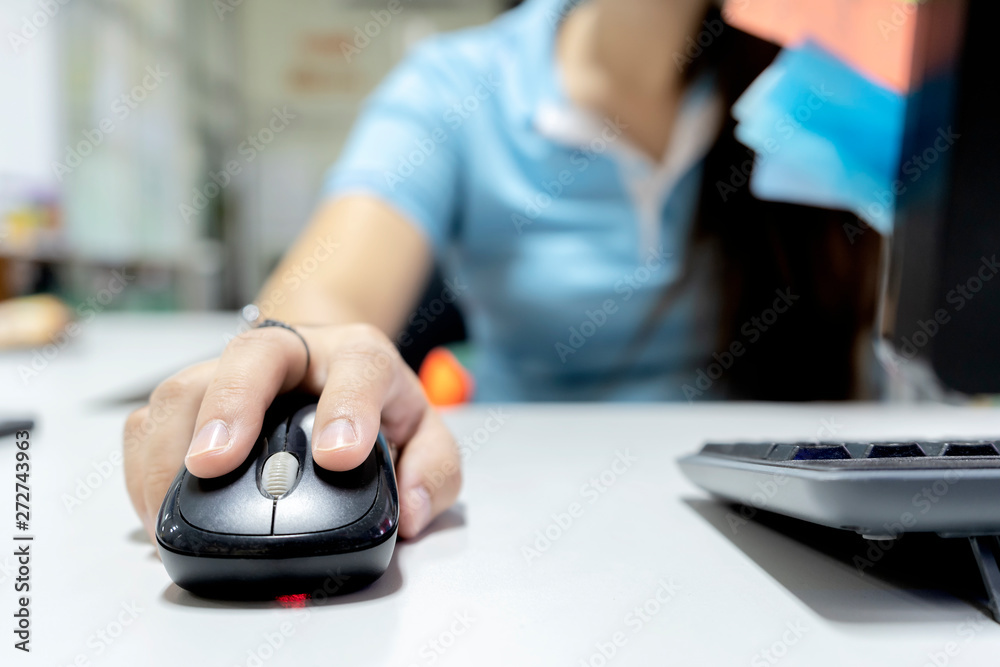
(873, 36)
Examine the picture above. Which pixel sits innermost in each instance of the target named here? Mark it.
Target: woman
(573, 168)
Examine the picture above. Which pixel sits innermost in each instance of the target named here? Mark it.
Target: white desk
(736, 594)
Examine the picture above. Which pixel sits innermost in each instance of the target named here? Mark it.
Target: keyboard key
(821, 453)
(895, 450)
(970, 449)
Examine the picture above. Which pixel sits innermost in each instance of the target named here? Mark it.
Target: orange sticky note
(445, 380)
(873, 36)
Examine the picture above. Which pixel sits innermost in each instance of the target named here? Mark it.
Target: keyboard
(878, 489)
(881, 490)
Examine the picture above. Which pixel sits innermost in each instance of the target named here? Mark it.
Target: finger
(254, 368)
(429, 475)
(366, 384)
(173, 407)
(132, 462)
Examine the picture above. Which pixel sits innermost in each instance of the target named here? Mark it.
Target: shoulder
(448, 63)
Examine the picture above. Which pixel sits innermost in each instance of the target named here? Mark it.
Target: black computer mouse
(280, 524)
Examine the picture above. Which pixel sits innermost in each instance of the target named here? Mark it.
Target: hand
(208, 416)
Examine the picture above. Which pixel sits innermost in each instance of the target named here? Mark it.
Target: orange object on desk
(445, 380)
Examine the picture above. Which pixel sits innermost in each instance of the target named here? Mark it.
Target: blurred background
(161, 156)
(180, 144)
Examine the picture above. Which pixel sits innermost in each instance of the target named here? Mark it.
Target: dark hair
(812, 351)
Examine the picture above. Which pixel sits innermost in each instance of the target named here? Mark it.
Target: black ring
(277, 323)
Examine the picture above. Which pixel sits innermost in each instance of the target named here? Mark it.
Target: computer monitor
(940, 309)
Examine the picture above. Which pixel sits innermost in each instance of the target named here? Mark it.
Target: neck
(634, 44)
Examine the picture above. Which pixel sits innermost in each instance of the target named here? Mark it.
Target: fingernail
(338, 434)
(419, 509)
(211, 439)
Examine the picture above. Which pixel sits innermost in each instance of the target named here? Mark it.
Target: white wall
(28, 93)
(291, 55)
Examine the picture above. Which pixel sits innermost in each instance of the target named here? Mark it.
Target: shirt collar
(553, 115)
(532, 27)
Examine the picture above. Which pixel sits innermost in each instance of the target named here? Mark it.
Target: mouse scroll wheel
(278, 475)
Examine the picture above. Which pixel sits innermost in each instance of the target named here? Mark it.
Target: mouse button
(297, 443)
(276, 440)
(300, 431)
(326, 500)
(276, 416)
(229, 504)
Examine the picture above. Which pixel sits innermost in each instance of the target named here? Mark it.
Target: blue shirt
(558, 235)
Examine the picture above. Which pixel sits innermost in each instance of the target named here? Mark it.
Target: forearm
(307, 305)
(357, 261)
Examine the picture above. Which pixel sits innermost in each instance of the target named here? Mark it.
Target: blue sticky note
(826, 135)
